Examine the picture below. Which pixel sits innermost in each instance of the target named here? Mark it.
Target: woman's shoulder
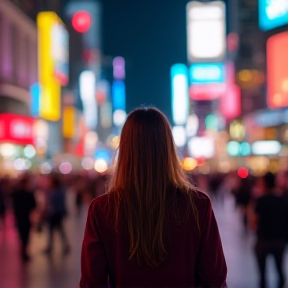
(200, 196)
(100, 201)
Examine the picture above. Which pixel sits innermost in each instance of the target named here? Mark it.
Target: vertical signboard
(87, 94)
(52, 63)
(180, 97)
(277, 70)
(230, 100)
(206, 31)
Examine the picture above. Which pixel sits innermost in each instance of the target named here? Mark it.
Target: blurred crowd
(39, 202)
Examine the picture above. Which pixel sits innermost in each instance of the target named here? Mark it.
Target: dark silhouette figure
(56, 212)
(272, 223)
(24, 203)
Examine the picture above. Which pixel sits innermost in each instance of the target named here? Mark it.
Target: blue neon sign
(272, 13)
(35, 92)
(118, 95)
(204, 73)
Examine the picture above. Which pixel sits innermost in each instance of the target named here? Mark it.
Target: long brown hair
(147, 165)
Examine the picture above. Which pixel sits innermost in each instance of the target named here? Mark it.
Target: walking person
(152, 228)
(271, 222)
(56, 212)
(23, 201)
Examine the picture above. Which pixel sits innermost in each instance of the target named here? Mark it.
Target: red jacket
(195, 257)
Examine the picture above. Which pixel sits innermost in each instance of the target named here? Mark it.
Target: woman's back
(194, 257)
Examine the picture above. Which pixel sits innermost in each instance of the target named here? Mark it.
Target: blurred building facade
(18, 54)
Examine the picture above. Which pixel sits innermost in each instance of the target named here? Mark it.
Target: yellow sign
(68, 122)
(50, 105)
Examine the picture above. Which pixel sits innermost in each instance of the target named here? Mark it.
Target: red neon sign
(230, 102)
(81, 21)
(206, 91)
(277, 70)
(16, 129)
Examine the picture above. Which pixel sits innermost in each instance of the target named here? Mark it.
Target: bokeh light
(65, 167)
(243, 172)
(101, 165)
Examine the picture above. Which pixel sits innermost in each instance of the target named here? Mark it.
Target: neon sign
(272, 13)
(205, 73)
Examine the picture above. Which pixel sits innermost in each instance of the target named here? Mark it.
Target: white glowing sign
(87, 94)
(206, 31)
(180, 97)
(199, 147)
(119, 117)
(192, 125)
(179, 135)
(268, 147)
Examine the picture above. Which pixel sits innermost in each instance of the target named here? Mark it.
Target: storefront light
(87, 163)
(269, 147)
(179, 135)
(65, 167)
(119, 117)
(7, 150)
(29, 151)
(233, 148)
(45, 168)
(19, 164)
(189, 164)
(245, 149)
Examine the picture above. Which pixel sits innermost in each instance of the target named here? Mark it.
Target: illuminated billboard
(272, 14)
(204, 73)
(60, 53)
(16, 129)
(201, 147)
(180, 97)
(206, 91)
(230, 102)
(206, 31)
(68, 122)
(52, 61)
(267, 147)
(277, 70)
(87, 93)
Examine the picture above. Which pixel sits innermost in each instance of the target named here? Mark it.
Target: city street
(64, 272)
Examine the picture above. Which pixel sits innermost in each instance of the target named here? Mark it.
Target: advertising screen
(201, 147)
(49, 67)
(204, 73)
(60, 41)
(230, 102)
(16, 129)
(118, 95)
(272, 14)
(277, 70)
(87, 94)
(206, 31)
(206, 91)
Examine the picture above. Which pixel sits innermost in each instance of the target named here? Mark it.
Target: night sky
(151, 36)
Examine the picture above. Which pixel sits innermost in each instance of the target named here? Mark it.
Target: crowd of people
(38, 201)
